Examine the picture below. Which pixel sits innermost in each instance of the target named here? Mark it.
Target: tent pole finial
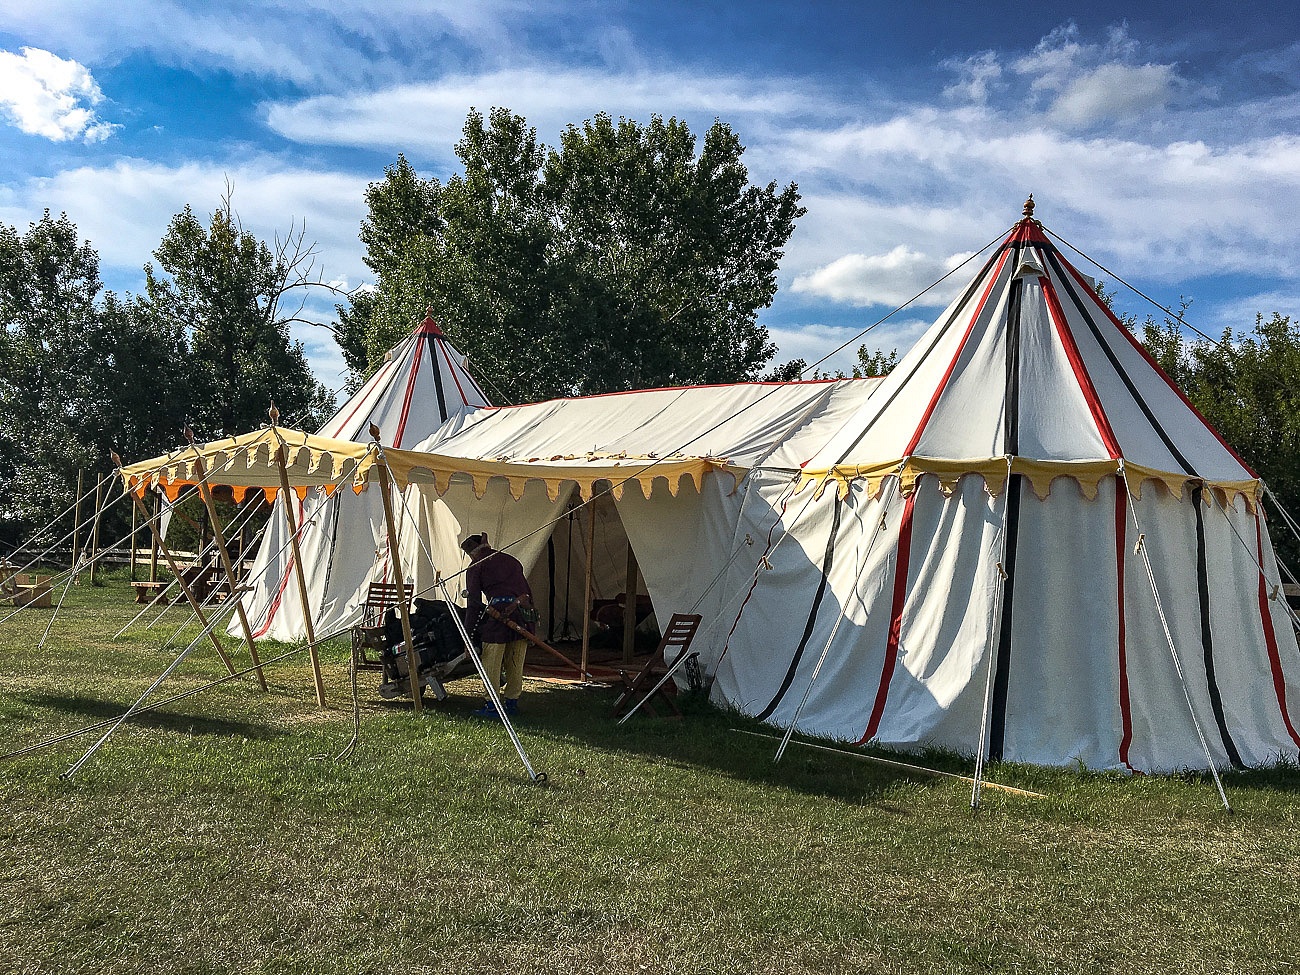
(1028, 211)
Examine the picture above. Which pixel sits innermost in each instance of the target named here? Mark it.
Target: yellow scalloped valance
(1039, 473)
(587, 473)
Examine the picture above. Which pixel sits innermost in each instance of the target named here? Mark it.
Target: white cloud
(312, 42)
(1114, 91)
(430, 115)
(43, 94)
(883, 279)
(977, 77)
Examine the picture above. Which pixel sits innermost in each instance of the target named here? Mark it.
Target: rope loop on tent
(1141, 549)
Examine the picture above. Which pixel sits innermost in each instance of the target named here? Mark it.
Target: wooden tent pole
(629, 605)
(76, 519)
(135, 524)
(94, 531)
(155, 538)
(289, 497)
(403, 610)
(160, 545)
(219, 538)
(586, 588)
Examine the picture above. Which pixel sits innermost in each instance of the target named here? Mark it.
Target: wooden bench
(32, 590)
(145, 591)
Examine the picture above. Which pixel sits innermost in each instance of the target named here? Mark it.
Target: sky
(1163, 146)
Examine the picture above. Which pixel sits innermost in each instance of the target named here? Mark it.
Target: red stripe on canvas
(284, 581)
(410, 390)
(363, 397)
(1119, 327)
(901, 565)
(1270, 638)
(456, 379)
(1081, 376)
(943, 383)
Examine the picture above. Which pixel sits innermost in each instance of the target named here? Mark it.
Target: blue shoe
(512, 705)
(487, 711)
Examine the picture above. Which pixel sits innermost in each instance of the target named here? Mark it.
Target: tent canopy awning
(248, 461)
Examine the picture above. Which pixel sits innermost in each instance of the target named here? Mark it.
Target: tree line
(626, 256)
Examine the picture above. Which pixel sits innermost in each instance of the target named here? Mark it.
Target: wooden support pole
(155, 538)
(134, 528)
(159, 545)
(94, 531)
(289, 497)
(629, 606)
(394, 556)
(219, 537)
(586, 586)
(76, 519)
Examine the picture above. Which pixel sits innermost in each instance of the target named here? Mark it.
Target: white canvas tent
(422, 383)
(968, 557)
(686, 455)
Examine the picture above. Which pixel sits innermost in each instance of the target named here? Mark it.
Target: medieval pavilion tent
(1027, 541)
(422, 383)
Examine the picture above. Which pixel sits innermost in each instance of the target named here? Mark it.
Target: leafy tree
(1246, 387)
(224, 290)
(620, 259)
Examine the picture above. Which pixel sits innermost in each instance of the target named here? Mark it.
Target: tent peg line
(905, 766)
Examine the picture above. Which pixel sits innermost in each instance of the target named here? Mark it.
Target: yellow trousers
(512, 656)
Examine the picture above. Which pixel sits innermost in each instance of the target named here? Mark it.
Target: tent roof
(740, 425)
(636, 437)
(423, 382)
(1028, 363)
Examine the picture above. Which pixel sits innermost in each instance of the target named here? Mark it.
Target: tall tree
(225, 290)
(621, 259)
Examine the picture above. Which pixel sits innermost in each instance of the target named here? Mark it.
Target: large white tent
(422, 383)
(1029, 538)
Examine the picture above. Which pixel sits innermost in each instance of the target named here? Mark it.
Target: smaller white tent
(422, 383)
(515, 471)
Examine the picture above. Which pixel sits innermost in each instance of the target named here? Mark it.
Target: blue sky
(1165, 147)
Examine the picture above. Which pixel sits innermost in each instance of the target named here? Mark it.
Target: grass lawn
(219, 835)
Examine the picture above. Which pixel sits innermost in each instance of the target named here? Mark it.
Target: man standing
(498, 578)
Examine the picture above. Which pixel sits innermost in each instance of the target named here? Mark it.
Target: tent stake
(176, 570)
(282, 464)
(226, 564)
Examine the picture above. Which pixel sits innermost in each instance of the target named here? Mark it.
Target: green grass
(218, 835)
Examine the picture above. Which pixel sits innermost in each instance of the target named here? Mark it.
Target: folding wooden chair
(678, 635)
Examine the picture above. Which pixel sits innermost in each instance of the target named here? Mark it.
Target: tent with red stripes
(422, 383)
(1027, 544)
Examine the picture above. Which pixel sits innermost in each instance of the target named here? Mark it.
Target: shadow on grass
(98, 709)
(708, 737)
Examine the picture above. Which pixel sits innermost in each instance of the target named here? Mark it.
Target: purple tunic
(494, 575)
